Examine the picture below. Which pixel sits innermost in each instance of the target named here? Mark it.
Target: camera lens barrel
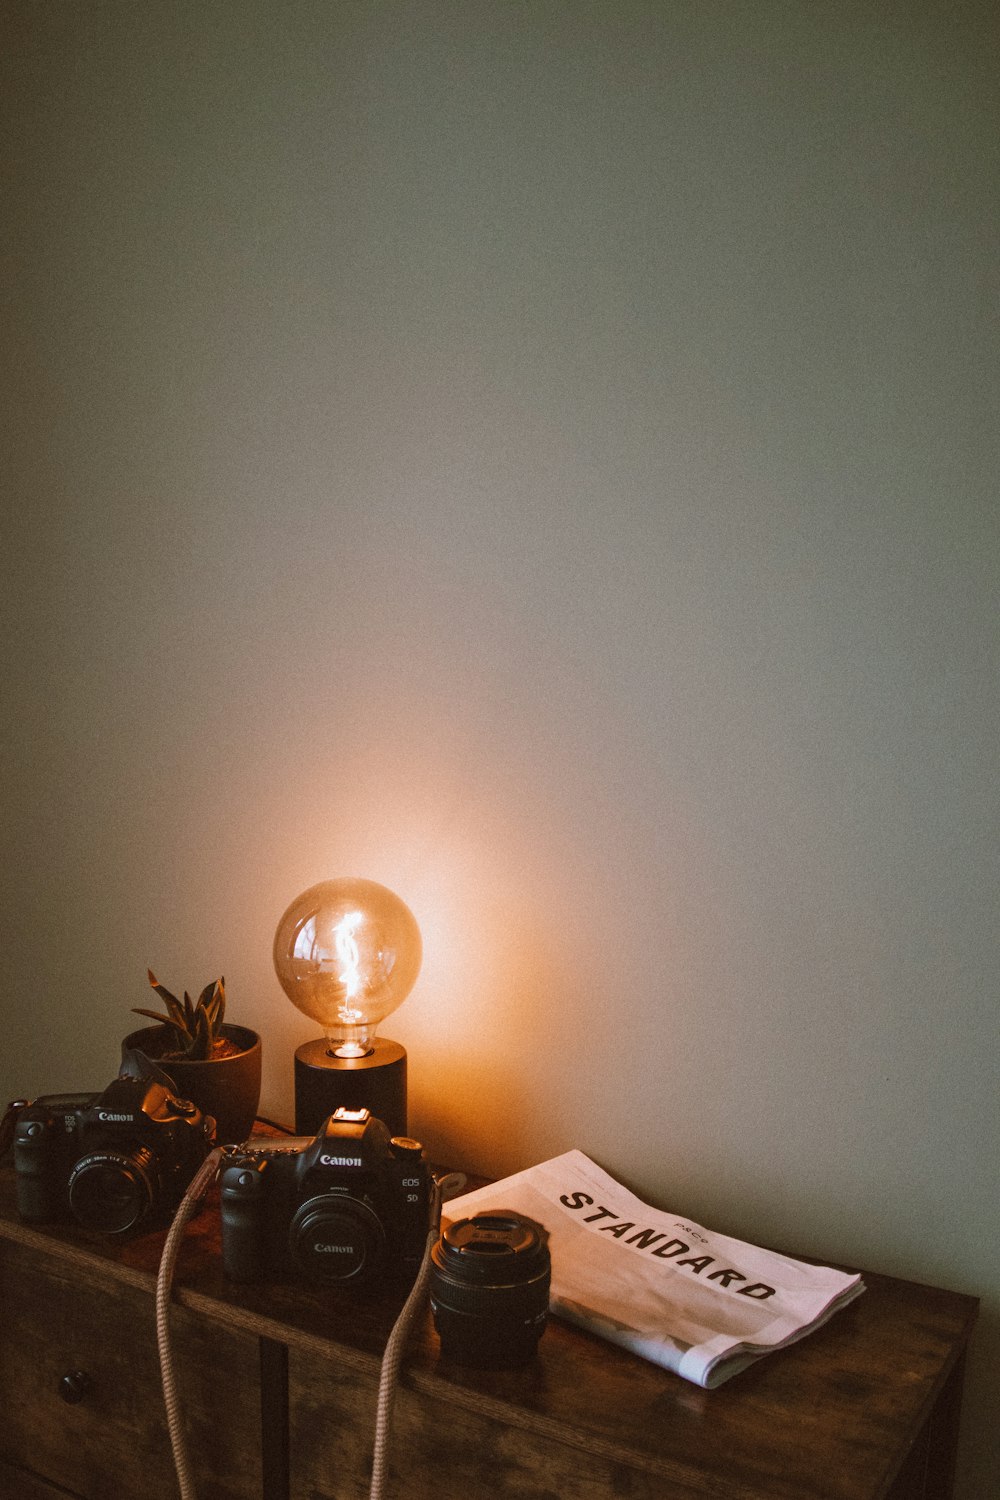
(336, 1238)
(112, 1190)
(489, 1284)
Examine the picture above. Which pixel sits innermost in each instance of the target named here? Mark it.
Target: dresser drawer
(61, 1317)
(438, 1449)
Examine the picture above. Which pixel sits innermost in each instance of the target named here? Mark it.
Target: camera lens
(490, 1289)
(335, 1238)
(112, 1190)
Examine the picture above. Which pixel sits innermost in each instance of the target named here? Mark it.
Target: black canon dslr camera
(114, 1161)
(349, 1205)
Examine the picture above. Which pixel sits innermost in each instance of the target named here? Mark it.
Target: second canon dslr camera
(348, 1205)
(115, 1161)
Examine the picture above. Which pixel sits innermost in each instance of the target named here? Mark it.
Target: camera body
(113, 1161)
(349, 1204)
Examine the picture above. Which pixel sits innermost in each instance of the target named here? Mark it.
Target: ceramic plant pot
(228, 1088)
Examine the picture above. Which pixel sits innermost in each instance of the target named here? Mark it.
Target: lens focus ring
(113, 1190)
(490, 1279)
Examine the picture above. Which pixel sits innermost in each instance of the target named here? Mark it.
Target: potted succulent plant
(210, 1061)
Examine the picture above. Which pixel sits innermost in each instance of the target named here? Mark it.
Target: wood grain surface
(843, 1415)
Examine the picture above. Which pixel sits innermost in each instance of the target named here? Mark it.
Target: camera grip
(38, 1197)
(242, 1204)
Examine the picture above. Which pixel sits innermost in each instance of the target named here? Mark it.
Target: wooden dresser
(279, 1386)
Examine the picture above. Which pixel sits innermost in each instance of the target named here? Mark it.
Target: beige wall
(542, 457)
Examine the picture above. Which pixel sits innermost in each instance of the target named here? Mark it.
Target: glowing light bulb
(347, 953)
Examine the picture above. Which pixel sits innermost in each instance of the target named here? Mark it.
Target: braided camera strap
(394, 1349)
(391, 1359)
(196, 1190)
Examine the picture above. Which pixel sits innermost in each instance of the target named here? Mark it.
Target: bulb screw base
(376, 1082)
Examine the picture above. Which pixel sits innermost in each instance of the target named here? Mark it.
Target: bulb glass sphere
(347, 953)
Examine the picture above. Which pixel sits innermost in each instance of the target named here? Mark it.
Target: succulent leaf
(201, 1046)
(177, 1017)
(196, 1025)
(154, 1015)
(180, 1038)
(206, 1001)
(158, 987)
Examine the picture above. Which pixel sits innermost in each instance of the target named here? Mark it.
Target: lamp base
(324, 1083)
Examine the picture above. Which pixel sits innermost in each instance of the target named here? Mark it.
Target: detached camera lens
(490, 1289)
(334, 1238)
(113, 1190)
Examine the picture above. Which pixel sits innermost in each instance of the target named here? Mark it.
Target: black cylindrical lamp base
(324, 1083)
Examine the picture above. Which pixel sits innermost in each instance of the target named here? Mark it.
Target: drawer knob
(74, 1386)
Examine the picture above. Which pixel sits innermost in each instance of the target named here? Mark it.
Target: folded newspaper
(696, 1302)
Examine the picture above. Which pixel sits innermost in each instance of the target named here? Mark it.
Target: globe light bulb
(347, 953)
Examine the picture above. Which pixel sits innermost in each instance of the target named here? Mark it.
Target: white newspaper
(698, 1303)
